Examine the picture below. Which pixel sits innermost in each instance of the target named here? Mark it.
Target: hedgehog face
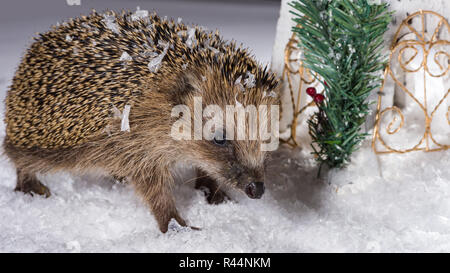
(239, 163)
(226, 146)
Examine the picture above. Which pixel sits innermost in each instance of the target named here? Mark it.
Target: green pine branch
(342, 42)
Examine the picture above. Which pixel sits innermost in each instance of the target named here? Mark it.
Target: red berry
(325, 83)
(319, 98)
(311, 91)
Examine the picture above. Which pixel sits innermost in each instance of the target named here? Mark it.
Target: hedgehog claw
(217, 197)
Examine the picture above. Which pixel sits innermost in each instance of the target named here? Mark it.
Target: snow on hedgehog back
(97, 93)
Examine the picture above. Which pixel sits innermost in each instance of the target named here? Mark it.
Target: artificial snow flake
(110, 23)
(175, 227)
(73, 2)
(239, 84)
(162, 43)
(250, 81)
(238, 80)
(238, 104)
(351, 49)
(213, 49)
(125, 57)
(181, 33)
(155, 64)
(271, 94)
(191, 37)
(73, 246)
(125, 125)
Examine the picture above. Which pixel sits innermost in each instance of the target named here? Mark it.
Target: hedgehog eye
(220, 139)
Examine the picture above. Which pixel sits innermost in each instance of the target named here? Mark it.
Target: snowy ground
(403, 207)
(406, 210)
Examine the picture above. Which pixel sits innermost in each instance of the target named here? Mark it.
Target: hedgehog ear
(185, 86)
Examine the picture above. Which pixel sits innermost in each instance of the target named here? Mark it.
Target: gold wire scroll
(423, 41)
(293, 67)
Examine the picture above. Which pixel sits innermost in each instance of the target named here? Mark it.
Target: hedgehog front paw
(217, 197)
(214, 195)
(34, 188)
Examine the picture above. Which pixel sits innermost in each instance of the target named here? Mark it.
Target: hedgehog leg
(28, 183)
(214, 195)
(156, 192)
(119, 179)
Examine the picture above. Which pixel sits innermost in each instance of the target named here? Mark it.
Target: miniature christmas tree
(342, 42)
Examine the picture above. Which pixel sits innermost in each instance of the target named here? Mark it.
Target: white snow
(250, 81)
(73, 2)
(238, 83)
(406, 207)
(190, 41)
(125, 57)
(155, 63)
(125, 124)
(139, 14)
(174, 226)
(110, 23)
(270, 94)
(213, 49)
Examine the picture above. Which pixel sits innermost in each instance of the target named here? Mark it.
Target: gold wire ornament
(293, 68)
(422, 45)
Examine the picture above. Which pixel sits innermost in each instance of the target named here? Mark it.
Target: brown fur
(59, 108)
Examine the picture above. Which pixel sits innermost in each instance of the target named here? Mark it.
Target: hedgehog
(96, 93)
